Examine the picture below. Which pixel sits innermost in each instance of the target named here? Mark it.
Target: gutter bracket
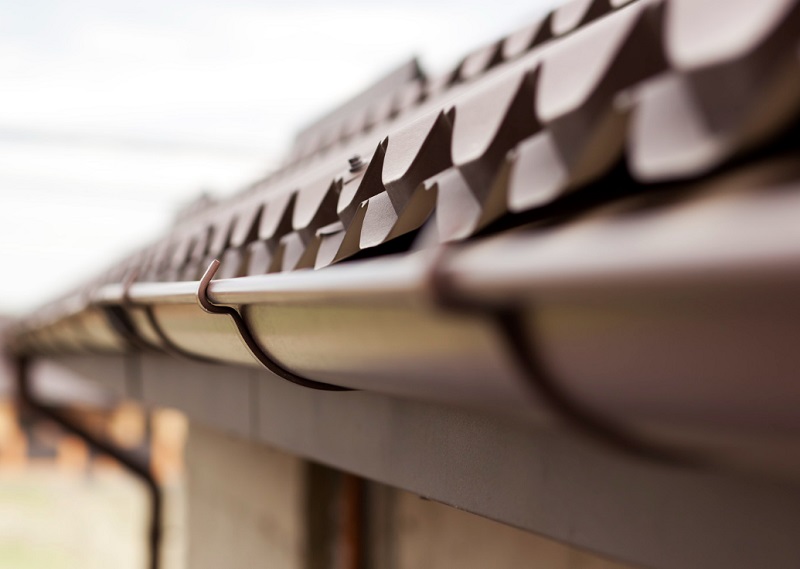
(523, 349)
(118, 318)
(249, 340)
(167, 345)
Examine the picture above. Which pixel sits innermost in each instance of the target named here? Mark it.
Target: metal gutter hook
(249, 340)
(523, 349)
(167, 345)
(119, 320)
(202, 291)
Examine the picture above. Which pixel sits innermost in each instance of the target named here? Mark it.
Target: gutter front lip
(373, 280)
(496, 271)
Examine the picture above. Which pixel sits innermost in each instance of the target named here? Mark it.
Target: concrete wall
(251, 506)
(246, 504)
(429, 534)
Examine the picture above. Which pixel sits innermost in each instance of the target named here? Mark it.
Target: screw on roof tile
(356, 163)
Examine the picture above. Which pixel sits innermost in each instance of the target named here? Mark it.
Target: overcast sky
(114, 113)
